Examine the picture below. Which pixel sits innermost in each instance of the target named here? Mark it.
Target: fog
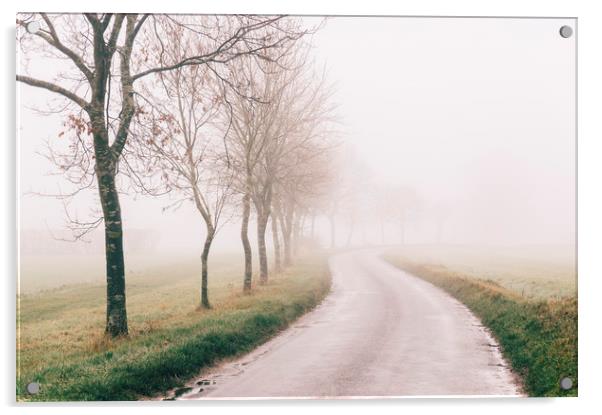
(474, 117)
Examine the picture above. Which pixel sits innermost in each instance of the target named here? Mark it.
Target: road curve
(381, 332)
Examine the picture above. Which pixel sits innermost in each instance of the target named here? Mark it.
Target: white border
(589, 211)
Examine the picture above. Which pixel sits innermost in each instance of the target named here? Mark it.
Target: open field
(62, 346)
(530, 307)
(535, 272)
(48, 272)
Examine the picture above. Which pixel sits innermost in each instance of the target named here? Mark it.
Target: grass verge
(161, 353)
(537, 337)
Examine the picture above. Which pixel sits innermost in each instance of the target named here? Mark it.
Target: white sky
(476, 114)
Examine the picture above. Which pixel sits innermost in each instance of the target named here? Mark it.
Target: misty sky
(476, 115)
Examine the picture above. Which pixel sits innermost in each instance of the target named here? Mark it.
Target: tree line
(228, 113)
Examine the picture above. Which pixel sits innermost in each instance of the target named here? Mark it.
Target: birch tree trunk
(262, 222)
(244, 236)
(286, 226)
(276, 243)
(116, 316)
(106, 168)
(204, 265)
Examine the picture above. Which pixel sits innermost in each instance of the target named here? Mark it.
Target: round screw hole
(566, 31)
(33, 27)
(33, 388)
(566, 383)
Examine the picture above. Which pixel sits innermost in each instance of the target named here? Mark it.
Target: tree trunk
(205, 271)
(276, 243)
(298, 234)
(313, 226)
(262, 223)
(286, 237)
(116, 319)
(244, 236)
(296, 227)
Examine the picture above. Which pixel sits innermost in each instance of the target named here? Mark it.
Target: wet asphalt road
(381, 332)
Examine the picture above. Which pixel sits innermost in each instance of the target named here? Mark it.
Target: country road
(381, 332)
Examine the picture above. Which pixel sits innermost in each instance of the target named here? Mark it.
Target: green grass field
(529, 304)
(61, 343)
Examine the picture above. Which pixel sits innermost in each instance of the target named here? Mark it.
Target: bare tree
(247, 141)
(273, 130)
(272, 138)
(299, 142)
(178, 139)
(276, 239)
(307, 181)
(89, 44)
(402, 200)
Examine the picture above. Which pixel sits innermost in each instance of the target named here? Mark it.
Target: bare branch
(54, 88)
